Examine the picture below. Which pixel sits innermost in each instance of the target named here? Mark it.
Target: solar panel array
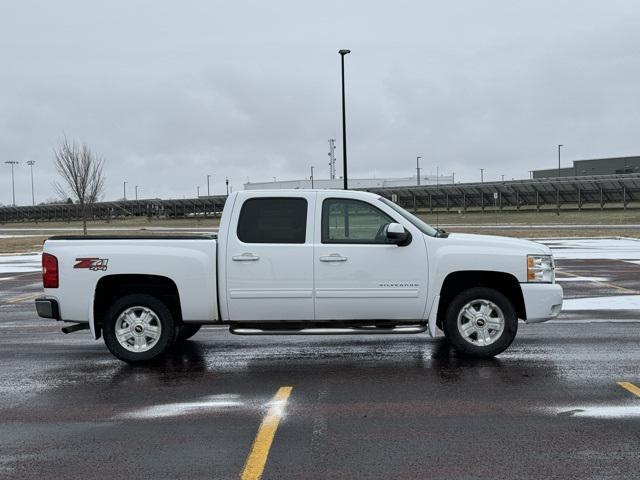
(565, 192)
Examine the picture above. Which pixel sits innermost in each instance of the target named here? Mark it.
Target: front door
(270, 259)
(359, 275)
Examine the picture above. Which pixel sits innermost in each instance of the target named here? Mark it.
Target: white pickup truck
(300, 262)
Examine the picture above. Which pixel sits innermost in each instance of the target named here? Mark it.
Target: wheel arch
(111, 287)
(456, 282)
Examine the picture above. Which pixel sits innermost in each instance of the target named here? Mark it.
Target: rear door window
(273, 220)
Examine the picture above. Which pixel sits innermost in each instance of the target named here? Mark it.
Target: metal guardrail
(573, 192)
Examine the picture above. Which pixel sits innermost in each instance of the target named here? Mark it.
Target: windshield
(415, 221)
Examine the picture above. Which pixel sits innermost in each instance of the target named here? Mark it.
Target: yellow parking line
(257, 459)
(24, 298)
(630, 387)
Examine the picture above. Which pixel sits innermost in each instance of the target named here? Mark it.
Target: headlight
(540, 268)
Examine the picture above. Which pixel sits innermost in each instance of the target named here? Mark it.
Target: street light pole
(208, 193)
(13, 182)
(418, 169)
(311, 177)
(31, 163)
(559, 147)
(342, 53)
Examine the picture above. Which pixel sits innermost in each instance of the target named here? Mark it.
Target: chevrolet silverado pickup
(300, 262)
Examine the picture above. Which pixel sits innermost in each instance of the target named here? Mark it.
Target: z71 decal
(93, 264)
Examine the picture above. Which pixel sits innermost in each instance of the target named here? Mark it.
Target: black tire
(185, 332)
(164, 318)
(466, 346)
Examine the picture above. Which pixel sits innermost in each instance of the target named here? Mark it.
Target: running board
(75, 327)
(361, 330)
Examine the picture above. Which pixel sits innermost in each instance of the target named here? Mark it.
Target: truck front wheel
(138, 328)
(480, 322)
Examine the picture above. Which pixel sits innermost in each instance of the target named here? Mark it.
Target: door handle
(334, 257)
(245, 257)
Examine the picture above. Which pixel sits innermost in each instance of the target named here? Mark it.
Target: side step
(75, 327)
(347, 330)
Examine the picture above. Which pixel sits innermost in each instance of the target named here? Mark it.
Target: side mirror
(397, 234)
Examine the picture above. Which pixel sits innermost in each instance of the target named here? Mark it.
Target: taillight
(49, 271)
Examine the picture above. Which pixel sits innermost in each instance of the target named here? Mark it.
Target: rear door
(358, 274)
(270, 257)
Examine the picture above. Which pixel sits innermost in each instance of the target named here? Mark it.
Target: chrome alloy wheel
(138, 329)
(481, 322)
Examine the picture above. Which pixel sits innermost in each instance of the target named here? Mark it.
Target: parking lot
(562, 402)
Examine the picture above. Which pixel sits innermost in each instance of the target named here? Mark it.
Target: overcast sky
(168, 92)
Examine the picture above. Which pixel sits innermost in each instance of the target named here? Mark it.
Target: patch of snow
(613, 302)
(599, 411)
(594, 248)
(581, 279)
(166, 410)
(20, 263)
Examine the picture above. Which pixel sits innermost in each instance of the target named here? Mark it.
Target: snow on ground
(612, 302)
(20, 263)
(612, 248)
(19, 236)
(581, 279)
(618, 248)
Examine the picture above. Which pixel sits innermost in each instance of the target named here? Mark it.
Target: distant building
(363, 183)
(596, 166)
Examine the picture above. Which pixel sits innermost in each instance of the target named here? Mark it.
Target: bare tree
(82, 175)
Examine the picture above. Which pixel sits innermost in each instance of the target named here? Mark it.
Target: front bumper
(542, 301)
(47, 308)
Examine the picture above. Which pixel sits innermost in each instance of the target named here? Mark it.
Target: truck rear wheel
(138, 328)
(185, 332)
(480, 322)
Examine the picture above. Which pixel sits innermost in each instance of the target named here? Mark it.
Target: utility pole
(208, 193)
(124, 188)
(136, 192)
(13, 163)
(227, 183)
(558, 187)
(311, 177)
(559, 147)
(198, 191)
(418, 169)
(332, 158)
(482, 175)
(31, 163)
(342, 53)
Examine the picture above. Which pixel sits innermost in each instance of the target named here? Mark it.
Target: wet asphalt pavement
(360, 406)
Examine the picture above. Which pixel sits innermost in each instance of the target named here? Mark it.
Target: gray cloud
(169, 92)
